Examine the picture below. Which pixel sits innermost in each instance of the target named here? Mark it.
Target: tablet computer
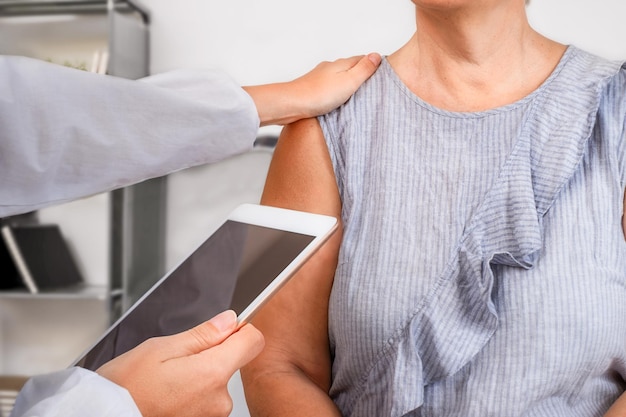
(239, 266)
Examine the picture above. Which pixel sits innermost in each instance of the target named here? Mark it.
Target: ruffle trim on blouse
(458, 316)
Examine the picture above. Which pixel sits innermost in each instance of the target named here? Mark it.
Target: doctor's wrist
(278, 104)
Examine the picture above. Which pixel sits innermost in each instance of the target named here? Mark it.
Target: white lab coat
(73, 392)
(66, 134)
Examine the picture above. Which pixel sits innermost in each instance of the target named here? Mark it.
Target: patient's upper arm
(301, 174)
(294, 322)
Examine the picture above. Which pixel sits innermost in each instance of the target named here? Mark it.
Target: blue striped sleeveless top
(483, 267)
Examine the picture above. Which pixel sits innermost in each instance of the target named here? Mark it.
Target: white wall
(278, 39)
(597, 26)
(262, 41)
(257, 42)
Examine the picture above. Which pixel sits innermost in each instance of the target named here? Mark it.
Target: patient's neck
(476, 62)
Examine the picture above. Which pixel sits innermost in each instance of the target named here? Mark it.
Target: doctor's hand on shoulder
(188, 371)
(326, 87)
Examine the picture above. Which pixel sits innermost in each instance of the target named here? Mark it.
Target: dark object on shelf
(9, 277)
(36, 257)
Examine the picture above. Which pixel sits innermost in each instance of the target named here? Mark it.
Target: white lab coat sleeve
(73, 392)
(66, 134)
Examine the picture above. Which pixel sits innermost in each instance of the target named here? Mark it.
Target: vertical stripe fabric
(483, 267)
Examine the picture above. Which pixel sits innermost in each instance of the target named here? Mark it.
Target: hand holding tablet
(238, 267)
(188, 371)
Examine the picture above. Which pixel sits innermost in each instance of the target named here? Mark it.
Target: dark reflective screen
(226, 272)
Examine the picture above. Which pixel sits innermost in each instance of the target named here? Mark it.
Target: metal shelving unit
(94, 292)
(137, 213)
(74, 29)
(43, 7)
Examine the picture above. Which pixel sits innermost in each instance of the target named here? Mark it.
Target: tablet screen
(227, 271)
